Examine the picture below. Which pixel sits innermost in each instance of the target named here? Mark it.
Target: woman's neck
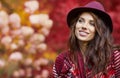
(83, 47)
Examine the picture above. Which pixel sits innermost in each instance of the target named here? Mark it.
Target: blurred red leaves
(58, 37)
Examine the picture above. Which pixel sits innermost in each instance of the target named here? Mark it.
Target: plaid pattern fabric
(64, 68)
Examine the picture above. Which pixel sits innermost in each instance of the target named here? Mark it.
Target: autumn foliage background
(34, 32)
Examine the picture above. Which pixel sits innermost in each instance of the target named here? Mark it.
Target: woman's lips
(83, 33)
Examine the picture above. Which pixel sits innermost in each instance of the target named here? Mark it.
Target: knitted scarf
(69, 70)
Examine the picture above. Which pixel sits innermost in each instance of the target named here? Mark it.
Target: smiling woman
(91, 51)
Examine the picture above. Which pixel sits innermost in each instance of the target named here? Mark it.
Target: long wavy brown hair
(99, 49)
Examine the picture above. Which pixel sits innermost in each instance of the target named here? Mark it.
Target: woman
(91, 52)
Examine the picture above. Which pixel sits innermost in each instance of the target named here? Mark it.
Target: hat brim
(103, 15)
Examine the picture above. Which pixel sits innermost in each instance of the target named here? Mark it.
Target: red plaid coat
(64, 68)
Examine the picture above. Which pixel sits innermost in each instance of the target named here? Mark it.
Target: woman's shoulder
(60, 61)
(116, 62)
(61, 56)
(116, 49)
(116, 54)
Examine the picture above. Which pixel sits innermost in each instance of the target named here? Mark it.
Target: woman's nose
(84, 26)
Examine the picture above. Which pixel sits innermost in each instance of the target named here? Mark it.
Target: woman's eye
(80, 20)
(92, 23)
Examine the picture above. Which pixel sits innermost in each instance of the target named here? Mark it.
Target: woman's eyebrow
(81, 18)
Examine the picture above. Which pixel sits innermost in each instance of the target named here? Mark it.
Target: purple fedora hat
(95, 7)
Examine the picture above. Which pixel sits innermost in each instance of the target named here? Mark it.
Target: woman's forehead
(86, 15)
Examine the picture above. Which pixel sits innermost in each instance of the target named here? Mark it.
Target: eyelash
(80, 20)
(93, 24)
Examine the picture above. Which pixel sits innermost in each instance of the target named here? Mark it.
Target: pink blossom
(38, 18)
(0, 5)
(39, 62)
(21, 42)
(5, 30)
(48, 23)
(28, 72)
(45, 31)
(26, 31)
(15, 20)
(31, 49)
(3, 19)
(17, 56)
(2, 63)
(16, 74)
(6, 40)
(31, 6)
(28, 61)
(13, 46)
(16, 32)
(41, 47)
(34, 19)
(43, 61)
(37, 38)
(45, 21)
(21, 72)
(36, 64)
(45, 73)
(42, 19)
(38, 76)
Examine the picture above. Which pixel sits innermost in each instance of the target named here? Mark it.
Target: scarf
(70, 71)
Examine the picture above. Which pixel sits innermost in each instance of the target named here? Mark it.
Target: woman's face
(85, 27)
